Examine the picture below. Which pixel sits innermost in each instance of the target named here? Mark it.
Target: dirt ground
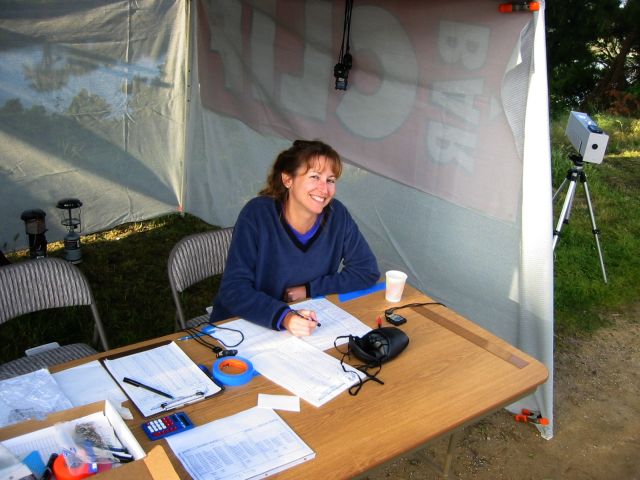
(597, 421)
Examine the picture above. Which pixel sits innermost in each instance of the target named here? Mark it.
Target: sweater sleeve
(359, 266)
(237, 291)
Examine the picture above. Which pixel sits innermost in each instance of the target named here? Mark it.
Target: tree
(593, 51)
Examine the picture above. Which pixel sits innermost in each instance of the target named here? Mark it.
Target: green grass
(126, 266)
(582, 299)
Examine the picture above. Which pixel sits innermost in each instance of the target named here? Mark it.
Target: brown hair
(289, 161)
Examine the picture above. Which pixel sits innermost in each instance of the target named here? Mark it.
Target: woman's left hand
(295, 294)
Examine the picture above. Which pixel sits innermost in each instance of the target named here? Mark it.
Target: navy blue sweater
(265, 258)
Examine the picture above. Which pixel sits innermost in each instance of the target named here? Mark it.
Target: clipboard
(164, 367)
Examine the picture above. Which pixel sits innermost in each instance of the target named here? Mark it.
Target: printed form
(299, 363)
(166, 368)
(254, 443)
(335, 322)
(306, 371)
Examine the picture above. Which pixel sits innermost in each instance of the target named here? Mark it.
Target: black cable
(397, 320)
(198, 337)
(346, 34)
(345, 61)
(410, 305)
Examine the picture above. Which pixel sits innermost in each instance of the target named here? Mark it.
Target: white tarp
(92, 106)
(444, 126)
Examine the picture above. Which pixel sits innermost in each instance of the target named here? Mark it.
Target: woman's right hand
(298, 325)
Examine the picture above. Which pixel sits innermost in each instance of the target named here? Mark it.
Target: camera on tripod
(591, 142)
(586, 137)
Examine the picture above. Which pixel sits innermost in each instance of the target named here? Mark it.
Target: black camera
(341, 72)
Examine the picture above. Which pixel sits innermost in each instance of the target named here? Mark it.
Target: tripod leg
(564, 182)
(566, 209)
(594, 228)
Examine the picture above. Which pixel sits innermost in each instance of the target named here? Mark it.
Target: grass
(582, 299)
(126, 266)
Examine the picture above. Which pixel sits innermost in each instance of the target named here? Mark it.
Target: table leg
(443, 470)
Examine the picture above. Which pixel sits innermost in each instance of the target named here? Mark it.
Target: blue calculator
(167, 425)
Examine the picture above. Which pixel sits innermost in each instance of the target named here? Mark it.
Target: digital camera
(586, 137)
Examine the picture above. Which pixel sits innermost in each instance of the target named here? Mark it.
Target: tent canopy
(155, 106)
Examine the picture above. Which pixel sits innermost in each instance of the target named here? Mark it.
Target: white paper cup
(395, 281)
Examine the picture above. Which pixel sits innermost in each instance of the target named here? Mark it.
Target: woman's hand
(299, 326)
(295, 294)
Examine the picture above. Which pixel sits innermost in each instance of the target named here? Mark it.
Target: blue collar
(303, 238)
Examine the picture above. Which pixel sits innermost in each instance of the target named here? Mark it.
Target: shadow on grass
(127, 270)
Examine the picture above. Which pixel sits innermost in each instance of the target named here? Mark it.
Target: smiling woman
(294, 241)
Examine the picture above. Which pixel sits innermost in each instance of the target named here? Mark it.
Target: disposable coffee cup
(395, 281)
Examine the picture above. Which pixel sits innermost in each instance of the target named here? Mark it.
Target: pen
(136, 383)
(48, 471)
(306, 317)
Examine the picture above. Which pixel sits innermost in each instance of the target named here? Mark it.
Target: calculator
(167, 425)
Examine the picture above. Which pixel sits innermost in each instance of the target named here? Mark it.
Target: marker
(306, 317)
(48, 471)
(136, 383)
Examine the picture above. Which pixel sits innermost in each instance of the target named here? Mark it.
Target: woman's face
(311, 190)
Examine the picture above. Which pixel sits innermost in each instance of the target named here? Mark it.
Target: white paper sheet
(88, 383)
(306, 371)
(335, 322)
(279, 402)
(254, 443)
(299, 363)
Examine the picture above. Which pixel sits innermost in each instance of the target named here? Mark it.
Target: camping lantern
(71, 220)
(35, 227)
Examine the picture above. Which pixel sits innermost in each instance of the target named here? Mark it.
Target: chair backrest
(45, 283)
(195, 258)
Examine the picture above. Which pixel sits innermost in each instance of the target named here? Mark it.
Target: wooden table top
(452, 372)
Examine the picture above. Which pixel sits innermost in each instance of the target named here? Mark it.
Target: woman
(294, 241)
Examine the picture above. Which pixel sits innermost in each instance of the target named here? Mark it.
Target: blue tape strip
(343, 297)
(233, 379)
(34, 462)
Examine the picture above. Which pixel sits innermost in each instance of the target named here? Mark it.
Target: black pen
(48, 471)
(306, 318)
(136, 383)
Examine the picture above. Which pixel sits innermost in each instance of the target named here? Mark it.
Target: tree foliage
(594, 54)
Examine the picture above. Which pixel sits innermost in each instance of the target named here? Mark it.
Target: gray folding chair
(192, 260)
(41, 284)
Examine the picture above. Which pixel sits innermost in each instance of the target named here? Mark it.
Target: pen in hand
(306, 317)
(136, 383)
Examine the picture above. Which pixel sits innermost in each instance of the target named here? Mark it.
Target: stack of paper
(251, 444)
(299, 364)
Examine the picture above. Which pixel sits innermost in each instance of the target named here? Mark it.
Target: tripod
(574, 174)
